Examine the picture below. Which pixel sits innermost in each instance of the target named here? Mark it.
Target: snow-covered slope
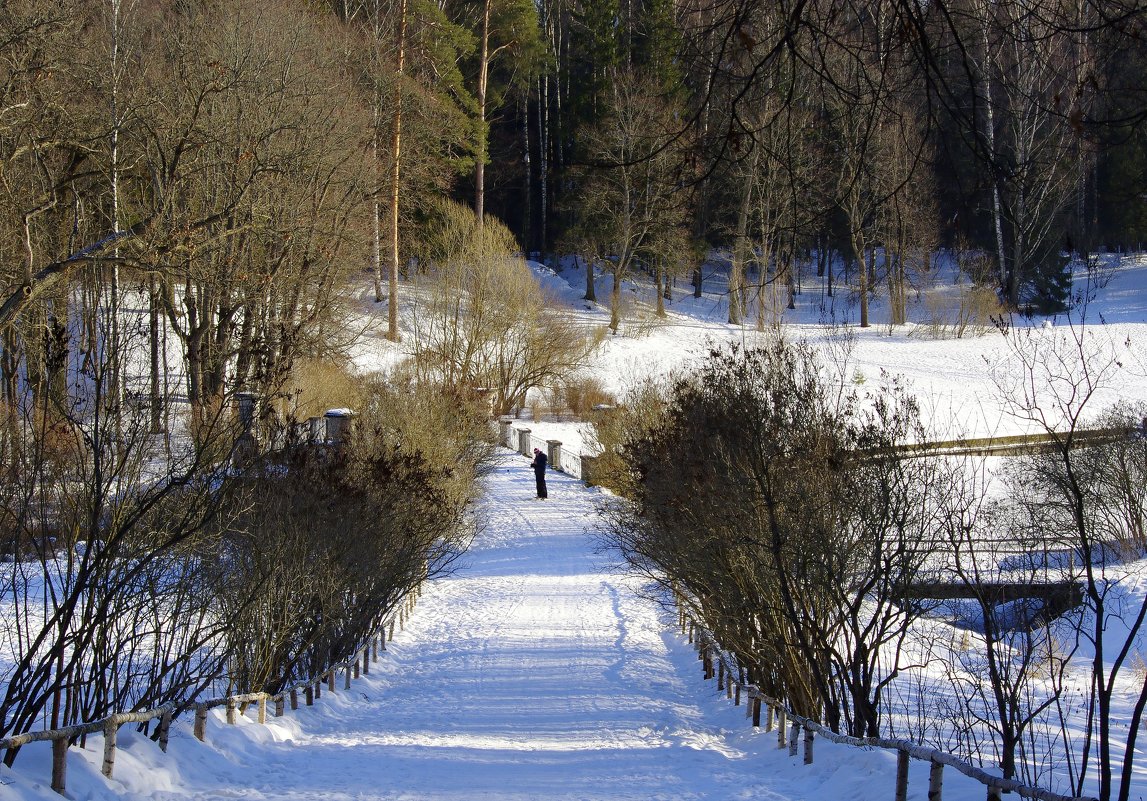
(955, 380)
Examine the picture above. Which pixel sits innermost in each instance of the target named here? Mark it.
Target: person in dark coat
(539, 465)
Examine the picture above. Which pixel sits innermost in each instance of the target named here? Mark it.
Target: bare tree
(1009, 676)
(1093, 500)
(630, 197)
(487, 323)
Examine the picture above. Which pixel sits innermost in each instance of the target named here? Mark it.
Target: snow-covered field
(956, 381)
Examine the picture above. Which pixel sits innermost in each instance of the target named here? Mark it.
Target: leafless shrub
(971, 315)
(769, 500)
(582, 394)
(332, 537)
(316, 385)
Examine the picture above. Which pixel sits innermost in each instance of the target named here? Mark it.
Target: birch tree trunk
(395, 173)
(483, 136)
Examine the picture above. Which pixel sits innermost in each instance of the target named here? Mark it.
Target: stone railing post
(316, 430)
(524, 442)
(505, 430)
(247, 447)
(587, 465)
(554, 453)
(338, 425)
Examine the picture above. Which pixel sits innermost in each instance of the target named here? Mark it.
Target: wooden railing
(795, 728)
(1013, 445)
(236, 705)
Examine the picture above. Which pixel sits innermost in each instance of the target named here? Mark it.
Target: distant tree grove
(231, 163)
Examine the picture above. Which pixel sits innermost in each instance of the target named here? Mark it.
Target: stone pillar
(247, 446)
(247, 402)
(505, 430)
(317, 430)
(587, 464)
(338, 425)
(524, 442)
(554, 453)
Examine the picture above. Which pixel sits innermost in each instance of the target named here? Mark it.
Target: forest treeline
(236, 161)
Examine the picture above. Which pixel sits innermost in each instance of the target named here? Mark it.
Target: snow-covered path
(536, 671)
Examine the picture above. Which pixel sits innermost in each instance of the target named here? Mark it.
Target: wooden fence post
(309, 695)
(936, 781)
(808, 735)
(200, 722)
(769, 715)
(60, 764)
(780, 727)
(720, 675)
(794, 735)
(355, 663)
(757, 712)
(319, 688)
(366, 660)
(737, 696)
(294, 698)
(280, 705)
(392, 630)
(346, 681)
(230, 710)
(994, 794)
(901, 775)
(164, 731)
(331, 680)
(111, 729)
(263, 708)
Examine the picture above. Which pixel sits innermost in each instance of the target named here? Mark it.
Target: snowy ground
(956, 381)
(537, 671)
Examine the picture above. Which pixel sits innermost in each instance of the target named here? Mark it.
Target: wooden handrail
(109, 725)
(710, 649)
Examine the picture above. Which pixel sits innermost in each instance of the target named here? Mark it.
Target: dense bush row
(127, 586)
(767, 495)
